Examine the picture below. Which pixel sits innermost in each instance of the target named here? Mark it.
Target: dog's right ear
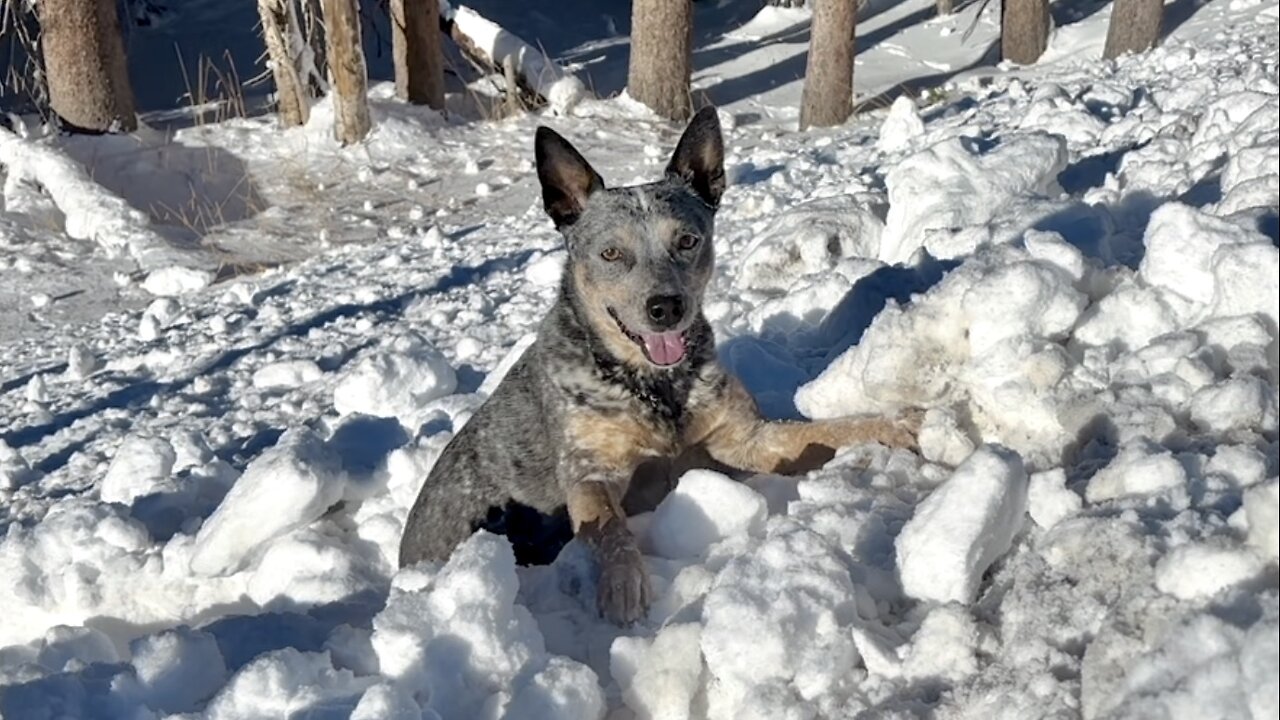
(567, 178)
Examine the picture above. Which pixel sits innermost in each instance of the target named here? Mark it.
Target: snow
(962, 527)
(703, 509)
(1198, 571)
(397, 382)
(212, 428)
(286, 487)
(178, 669)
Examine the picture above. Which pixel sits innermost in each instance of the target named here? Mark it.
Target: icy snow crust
(201, 502)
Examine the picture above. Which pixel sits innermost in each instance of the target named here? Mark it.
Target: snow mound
(795, 595)
(460, 640)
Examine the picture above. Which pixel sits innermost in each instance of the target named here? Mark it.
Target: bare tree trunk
(415, 42)
(350, 85)
(827, 98)
(282, 34)
(945, 7)
(313, 30)
(1024, 32)
(1134, 27)
(661, 56)
(84, 60)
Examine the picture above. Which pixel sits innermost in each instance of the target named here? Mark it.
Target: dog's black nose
(665, 310)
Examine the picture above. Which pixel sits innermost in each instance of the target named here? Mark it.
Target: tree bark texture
(281, 31)
(827, 98)
(415, 42)
(1134, 27)
(1024, 31)
(85, 65)
(945, 7)
(661, 56)
(350, 79)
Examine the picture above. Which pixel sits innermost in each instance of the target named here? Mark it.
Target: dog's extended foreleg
(595, 509)
(734, 433)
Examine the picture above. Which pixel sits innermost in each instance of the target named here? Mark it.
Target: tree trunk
(945, 7)
(282, 34)
(827, 98)
(84, 60)
(1134, 27)
(350, 85)
(1024, 32)
(661, 56)
(312, 21)
(415, 42)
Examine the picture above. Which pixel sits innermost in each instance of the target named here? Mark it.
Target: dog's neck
(664, 390)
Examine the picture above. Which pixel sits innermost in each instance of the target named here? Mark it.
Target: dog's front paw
(905, 430)
(623, 594)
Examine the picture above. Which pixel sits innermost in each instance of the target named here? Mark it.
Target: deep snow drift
(1073, 267)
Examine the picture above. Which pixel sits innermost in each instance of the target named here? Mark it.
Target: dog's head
(639, 257)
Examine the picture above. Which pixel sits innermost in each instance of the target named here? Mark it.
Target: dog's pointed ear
(567, 178)
(699, 157)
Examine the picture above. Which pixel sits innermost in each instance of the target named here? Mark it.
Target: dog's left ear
(699, 157)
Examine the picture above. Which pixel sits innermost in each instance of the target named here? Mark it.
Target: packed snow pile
(1073, 271)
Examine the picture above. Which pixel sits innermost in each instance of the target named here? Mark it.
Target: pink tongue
(664, 348)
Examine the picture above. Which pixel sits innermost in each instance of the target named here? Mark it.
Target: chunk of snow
(1049, 502)
(948, 185)
(1241, 403)
(1139, 469)
(176, 280)
(704, 508)
(461, 640)
(285, 487)
(564, 688)
(286, 374)
(396, 381)
(1198, 571)
(65, 647)
(141, 466)
(284, 682)
(659, 677)
(178, 669)
(387, 701)
(901, 125)
(964, 526)
(809, 239)
(1262, 509)
(942, 440)
(795, 594)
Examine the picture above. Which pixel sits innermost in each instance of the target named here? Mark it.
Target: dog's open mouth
(663, 349)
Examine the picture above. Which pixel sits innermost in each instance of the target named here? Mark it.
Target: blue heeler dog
(622, 378)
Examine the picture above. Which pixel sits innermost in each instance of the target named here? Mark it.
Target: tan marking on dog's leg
(735, 434)
(607, 450)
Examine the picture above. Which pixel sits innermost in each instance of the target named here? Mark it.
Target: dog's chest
(653, 409)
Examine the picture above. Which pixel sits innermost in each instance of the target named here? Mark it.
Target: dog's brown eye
(611, 254)
(687, 242)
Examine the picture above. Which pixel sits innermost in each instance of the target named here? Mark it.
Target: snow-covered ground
(214, 416)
